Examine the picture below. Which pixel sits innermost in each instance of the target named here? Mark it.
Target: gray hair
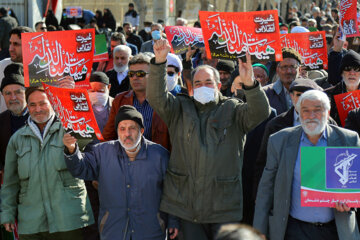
(238, 232)
(314, 95)
(122, 48)
(183, 20)
(140, 58)
(203, 67)
(157, 25)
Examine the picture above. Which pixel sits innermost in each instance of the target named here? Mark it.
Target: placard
(346, 102)
(180, 38)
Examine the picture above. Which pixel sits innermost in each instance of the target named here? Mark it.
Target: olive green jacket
(203, 180)
(38, 189)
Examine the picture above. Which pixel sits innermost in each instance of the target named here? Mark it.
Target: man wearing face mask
(118, 77)
(156, 33)
(173, 76)
(145, 34)
(203, 185)
(130, 171)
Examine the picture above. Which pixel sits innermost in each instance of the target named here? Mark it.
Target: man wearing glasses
(155, 128)
(350, 73)
(40, 27)
(287, 70)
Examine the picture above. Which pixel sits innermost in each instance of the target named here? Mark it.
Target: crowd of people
(194, 148)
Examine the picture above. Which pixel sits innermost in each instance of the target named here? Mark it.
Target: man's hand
(69, 142)
(246, 74)
(190, 52)
(173, 232)
(161, 50)
(338, 42)
(66, 82)
(342, 207)
(9, 227)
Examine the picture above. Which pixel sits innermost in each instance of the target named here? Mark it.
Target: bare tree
(180, 7)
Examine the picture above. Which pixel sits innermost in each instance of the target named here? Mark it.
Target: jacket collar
(278, 87)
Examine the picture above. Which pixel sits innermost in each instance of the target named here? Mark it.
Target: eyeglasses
(349, 68)
(170, 73)
(43, 28)
(139, 73)
(291, 67)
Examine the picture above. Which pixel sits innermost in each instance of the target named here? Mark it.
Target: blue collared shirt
(147, 113)
(296, 119)
(307, 214)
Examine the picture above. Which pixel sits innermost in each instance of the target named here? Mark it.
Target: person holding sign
(350, 72)
(278, 211)
(203, 183)
(38, 189)
(130, 172)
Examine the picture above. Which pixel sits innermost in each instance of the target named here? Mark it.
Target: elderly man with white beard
(118, 77)
(278, 212)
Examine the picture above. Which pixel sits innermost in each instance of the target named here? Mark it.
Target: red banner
(50, 56)
(180, 38)
(348, 18)
(229, 35)
(74, 110)
(346, 102)
(310, 45)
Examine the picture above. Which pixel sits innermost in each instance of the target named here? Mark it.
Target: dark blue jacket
(129, 192)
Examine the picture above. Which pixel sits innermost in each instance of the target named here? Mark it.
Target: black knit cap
(225, 65)
(99, 77)
(127, 112)
(13, 74)
(303, 85)
(351, 59)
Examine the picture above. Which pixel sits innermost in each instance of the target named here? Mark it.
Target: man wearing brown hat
(225, 68)
(289, 118)
(287, 70)
(350, 72)
(130, 172)
(13, 90)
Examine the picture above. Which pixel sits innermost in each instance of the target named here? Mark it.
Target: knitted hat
(127, 112)
(304, 84)
(99, 77)
(13, 74)
(351, 59)
(225, 65)
(291, 53)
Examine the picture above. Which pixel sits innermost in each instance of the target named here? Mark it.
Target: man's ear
(109, 86)
(219, 86)
(142, 130)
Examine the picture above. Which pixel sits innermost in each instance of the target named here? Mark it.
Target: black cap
(351, 59)
(99, 77)
(303, 85)
(128, 112)
(131, 5)
(225, 65)
(13, 74)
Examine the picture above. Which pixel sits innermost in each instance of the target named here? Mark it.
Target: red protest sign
(229, 35)
(346, 102)
(310, 45)
(180, 38)
(348, 18)
(74, 110)
(49, 56)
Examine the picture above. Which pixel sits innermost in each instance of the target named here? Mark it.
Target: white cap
(174, 60)
(299, 29)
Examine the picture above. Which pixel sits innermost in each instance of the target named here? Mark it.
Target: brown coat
(159, 130)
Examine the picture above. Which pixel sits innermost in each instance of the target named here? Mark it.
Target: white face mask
(120, 69)
(147, 29)
(98, 98)
(204, 94)
(171, 82)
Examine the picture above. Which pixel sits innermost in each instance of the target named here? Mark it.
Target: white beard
(120, 69)
(316, 126)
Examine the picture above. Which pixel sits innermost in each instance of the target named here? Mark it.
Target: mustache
(14, 102)
(312, 120)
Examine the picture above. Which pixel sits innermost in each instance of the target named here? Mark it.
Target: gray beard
(120, 69)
